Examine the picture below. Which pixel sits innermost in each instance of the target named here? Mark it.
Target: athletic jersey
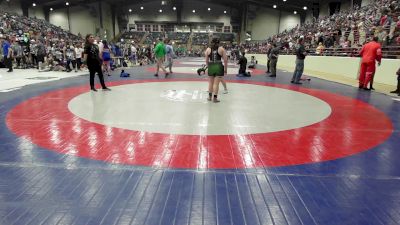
(170, 51)
(78, 52)
(33, 48)
(106, 54)
(215, 67)
(159, 50)
(17, 50)
(215, 56)
(58, 54)
(69, 52)
(6, 48)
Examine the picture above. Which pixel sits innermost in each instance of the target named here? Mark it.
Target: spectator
(105, 55)
(269, 48)
(169, 54)
(7, 53)
(300, 57)
(397, 91)
(93, 61)
(274, 59)
(320, 49)
(18, 53)
(242, 65)
(41, 54)
(159, 52)
(370, 53)
(78, 55)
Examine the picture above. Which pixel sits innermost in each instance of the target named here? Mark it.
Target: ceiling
(289, 5)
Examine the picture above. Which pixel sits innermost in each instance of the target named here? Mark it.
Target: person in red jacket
(370, 53)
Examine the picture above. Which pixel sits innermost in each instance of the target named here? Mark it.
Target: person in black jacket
(269, 48)
(273, 57)
(300, 56)
(93, 61)
(242, 66)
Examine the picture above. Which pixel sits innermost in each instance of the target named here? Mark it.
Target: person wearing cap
(7, 53)
(216, 67)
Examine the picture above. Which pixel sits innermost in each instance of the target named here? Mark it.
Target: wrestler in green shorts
(215, 69)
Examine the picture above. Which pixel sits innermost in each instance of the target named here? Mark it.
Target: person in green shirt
(159, 53)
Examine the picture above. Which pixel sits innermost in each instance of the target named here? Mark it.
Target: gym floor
(155, 151)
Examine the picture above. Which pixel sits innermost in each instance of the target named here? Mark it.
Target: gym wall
(268, 22)
(83, 19)
(151, 13)
(13, 6)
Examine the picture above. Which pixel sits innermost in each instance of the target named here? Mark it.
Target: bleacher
(179, 37)
(135, 36)
(153, 37)
(344, 33)
(226, 37)
(200, 39)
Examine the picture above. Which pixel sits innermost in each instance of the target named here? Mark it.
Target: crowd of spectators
(342, 30)
(226, 37)
(153, 37)
(200, 39)
(34, 40)
(179, 37)
(135, 36)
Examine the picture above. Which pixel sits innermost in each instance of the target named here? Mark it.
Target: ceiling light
(130, 10)
(67, 3)
(284, 0)
(295, 12)
(305, 7)
(51, 9)
(274, 6)
(33, 4)
(209, 9)
(160, 10)
(174, 8)
(225, 11)
(141, 7)
(194, 11)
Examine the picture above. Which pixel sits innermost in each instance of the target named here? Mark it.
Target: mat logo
(197, 96)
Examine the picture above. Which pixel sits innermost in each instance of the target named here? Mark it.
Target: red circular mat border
(347, 131)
